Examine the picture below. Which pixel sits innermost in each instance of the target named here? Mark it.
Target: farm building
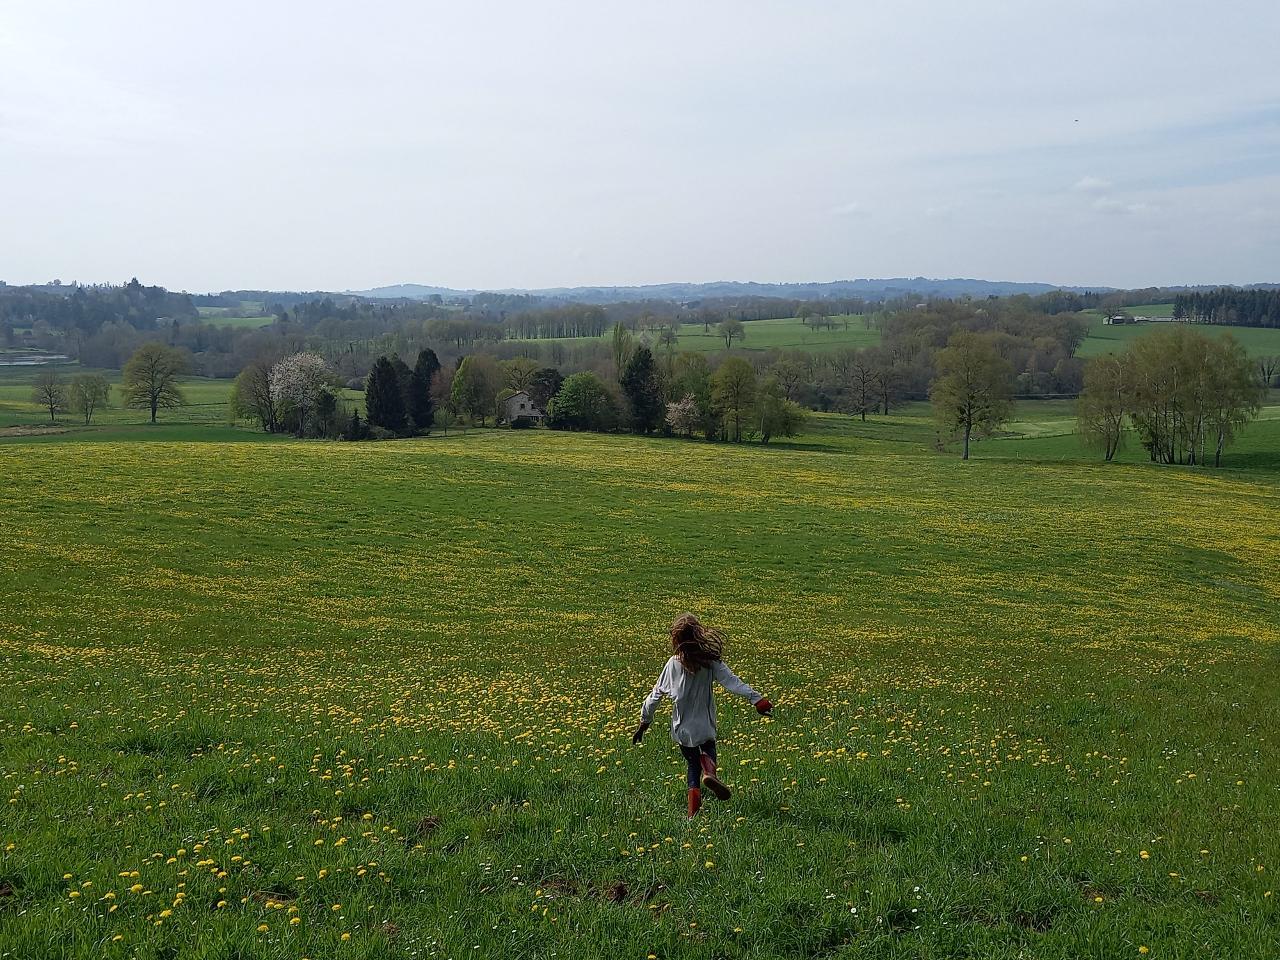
(520, 405)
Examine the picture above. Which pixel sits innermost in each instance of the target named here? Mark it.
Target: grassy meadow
(792, 334)
(206, 405)
(249, 314)
(288, 699)
(764, 335)
(1258, 341)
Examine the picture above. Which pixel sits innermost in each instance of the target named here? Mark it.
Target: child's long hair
(694, 645)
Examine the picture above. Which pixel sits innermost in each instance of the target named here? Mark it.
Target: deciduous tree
(733, 392)
(621, 343)
(1234, 394)
(583, 403)
(972, 392)
(49, 392)
(1100, 411)
(251, 395)
(518, 373)
(731, 330)
(683, 416)
(886, 377)
(151, 378)
(776, 416)
(1268, 369)
(88, 392)
(476, 386)
(297, 384)
(543, 385)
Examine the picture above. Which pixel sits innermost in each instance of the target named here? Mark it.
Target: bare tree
(1100, 411)
(790, 376)
(886, 377)
(855, 370)
(49, 393)
(1268, 369)
(89, 391)
(731, 330)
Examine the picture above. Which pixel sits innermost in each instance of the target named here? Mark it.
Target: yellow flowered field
(317, 700)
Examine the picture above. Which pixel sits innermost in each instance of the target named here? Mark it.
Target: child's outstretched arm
(650, 705)
(729, 680)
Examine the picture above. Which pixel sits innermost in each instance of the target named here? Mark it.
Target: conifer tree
(421, 406)
(643, 392)
(384, 398)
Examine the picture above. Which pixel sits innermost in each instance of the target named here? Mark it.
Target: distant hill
(410, 291)
(871, 289)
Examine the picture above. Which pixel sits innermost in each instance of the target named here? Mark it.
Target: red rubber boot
(695, 801)
(709, 777)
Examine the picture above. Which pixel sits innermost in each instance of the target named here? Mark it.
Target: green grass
(1040, 430)
(1152, 310)
(248, 315)
(206, 403)
(763, 335)
(1258, 341)
(248, 323)
(1026, 707)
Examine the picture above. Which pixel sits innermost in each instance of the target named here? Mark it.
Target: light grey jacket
(693, 710)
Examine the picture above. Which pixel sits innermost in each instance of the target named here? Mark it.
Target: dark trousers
(693, 757)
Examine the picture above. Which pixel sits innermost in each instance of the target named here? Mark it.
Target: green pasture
(206, 403)
(791, 334)
(248, 315)
(761, 336)
(1040, 430)
(1149, 310)
(285, 699)
(1104, 338)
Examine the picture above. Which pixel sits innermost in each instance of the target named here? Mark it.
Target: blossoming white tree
(296, 383)
(683, 416)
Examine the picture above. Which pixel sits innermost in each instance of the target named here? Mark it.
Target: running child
(686, 679)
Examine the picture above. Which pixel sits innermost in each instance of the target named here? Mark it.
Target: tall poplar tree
(422, 407)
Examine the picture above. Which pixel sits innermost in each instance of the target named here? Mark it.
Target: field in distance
(1039, 430)
(786, 334)
(793, 334)
(249, 314)
(1113, 338)
(288, 699)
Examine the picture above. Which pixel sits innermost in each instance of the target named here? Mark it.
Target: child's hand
(765, 707)
(639, 734)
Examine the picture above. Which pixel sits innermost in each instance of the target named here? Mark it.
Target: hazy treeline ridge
(102, 326)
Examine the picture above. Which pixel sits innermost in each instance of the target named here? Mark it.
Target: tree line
(1228, 305)
(151, 380)
(1182, 392)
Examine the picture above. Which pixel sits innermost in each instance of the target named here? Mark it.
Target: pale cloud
(851, 209)
(1092, 185)
(1110, 205)
(941, 211)
(614, 144)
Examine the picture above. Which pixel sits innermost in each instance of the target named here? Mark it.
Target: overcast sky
(478, 144)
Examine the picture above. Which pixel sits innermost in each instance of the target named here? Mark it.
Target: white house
(520, 405)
